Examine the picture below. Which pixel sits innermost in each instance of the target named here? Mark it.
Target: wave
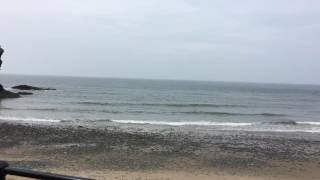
(6, 108)
(288, 130)
(309, 123)
(41, 109)
(100, 120)
(182, 123)
(270, 114)
(80, 110)
(229, 114)
(29, 119)
(282, 122)
(70, 110)
(292, 122)
(31, 109)
(213, 113)
(161, 104)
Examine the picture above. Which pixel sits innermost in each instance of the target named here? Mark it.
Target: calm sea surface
(236, 106)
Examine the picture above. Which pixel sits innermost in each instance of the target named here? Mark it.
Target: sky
(213, 40)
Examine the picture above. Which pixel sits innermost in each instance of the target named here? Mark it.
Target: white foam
(29, 119)
(309, 123)
(183, 123)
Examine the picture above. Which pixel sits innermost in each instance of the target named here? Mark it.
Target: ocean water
(216, 105)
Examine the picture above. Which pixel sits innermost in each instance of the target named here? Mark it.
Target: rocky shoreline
(128, 148)
(5, 94)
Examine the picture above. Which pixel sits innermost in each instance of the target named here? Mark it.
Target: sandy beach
(107, 151)
(160, 89)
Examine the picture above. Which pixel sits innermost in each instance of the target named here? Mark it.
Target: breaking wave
(182, 123)
(309, 123)
(147, 111)
(29, 119)
(229, 114)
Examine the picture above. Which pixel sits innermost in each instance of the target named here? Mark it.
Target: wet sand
(111, 151)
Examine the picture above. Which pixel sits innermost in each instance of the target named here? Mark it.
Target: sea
(215, 105)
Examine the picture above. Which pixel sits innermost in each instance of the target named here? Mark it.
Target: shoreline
(146, 151)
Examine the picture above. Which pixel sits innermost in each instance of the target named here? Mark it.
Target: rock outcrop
(7, 94)
(27, 87)
(25, 93)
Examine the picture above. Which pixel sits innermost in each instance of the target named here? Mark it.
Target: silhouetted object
(27, 87)
(6, 169)
(1, 52)
(4, 94)
(25, 93)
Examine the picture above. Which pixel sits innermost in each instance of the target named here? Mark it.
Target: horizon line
(161, 79)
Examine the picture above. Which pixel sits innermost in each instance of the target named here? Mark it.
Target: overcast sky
(224, 40)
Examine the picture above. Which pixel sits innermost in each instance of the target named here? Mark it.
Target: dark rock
(7, 94)
(27, 87)
(25, 93)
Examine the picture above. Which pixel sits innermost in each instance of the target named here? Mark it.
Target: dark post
(3, 165)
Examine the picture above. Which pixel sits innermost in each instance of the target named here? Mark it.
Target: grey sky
(239, 40)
